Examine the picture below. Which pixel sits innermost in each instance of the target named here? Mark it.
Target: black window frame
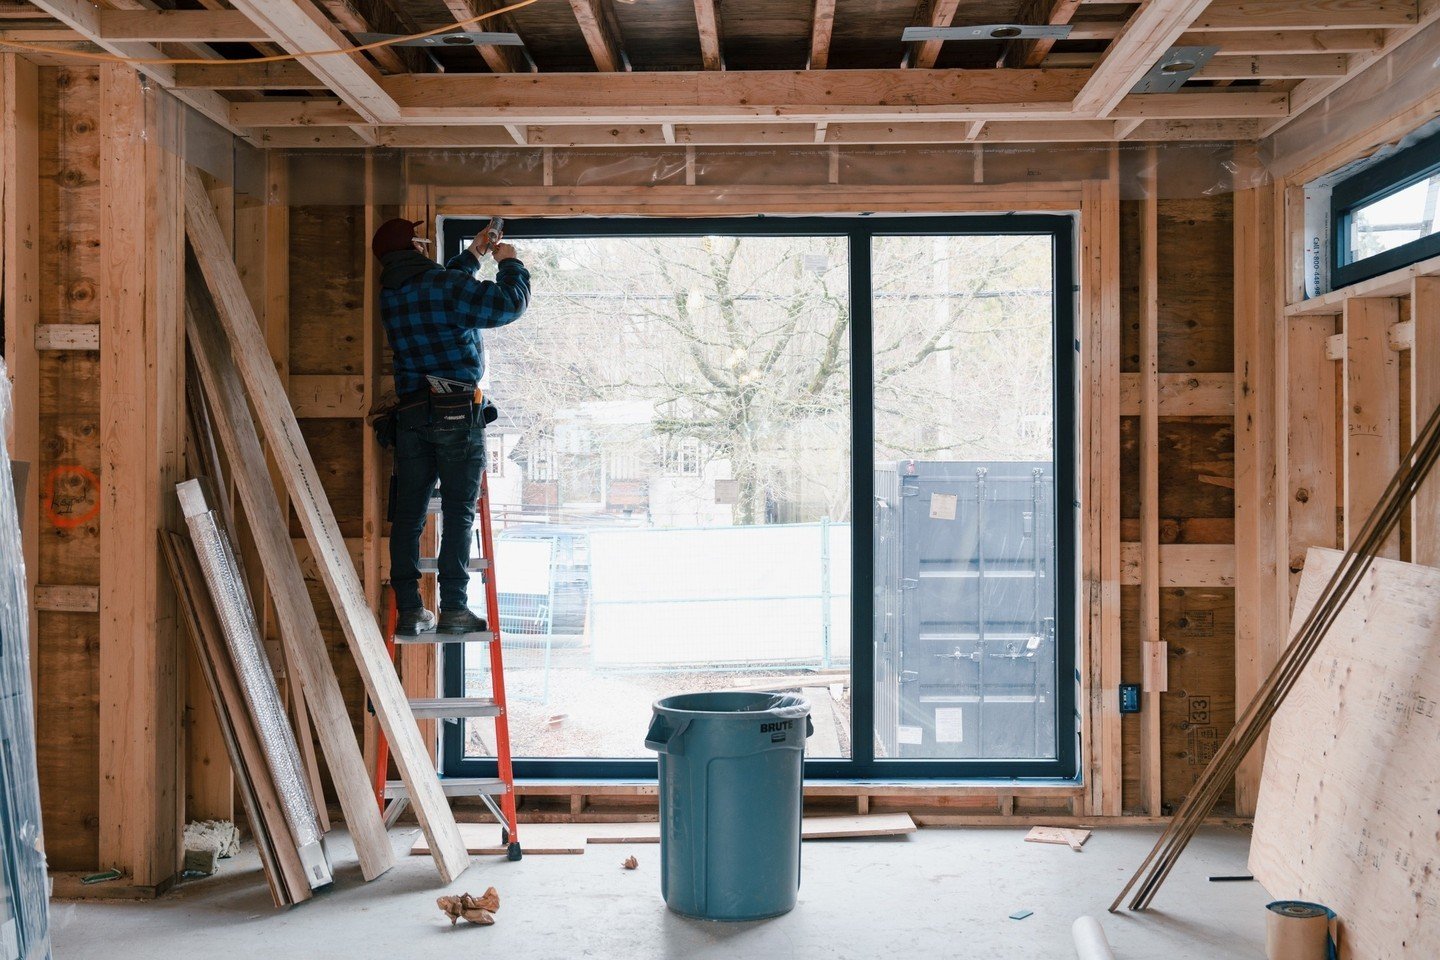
(1417, 162)
(859, 231)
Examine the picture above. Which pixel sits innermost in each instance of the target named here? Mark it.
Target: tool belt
(445, 411)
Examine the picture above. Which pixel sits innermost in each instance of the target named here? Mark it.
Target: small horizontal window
(1385, 217)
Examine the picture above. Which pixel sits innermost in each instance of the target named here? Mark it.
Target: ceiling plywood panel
(660, 34)
(867, 32)
(552, 35)
(765, 34)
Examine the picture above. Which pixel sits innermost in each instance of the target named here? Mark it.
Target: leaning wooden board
(276, 418)
(482, 838)
(1347, 813)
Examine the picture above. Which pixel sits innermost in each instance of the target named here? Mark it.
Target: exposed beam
(179, 26)
(930, 13)
(499, 59)
(1260, 42)
(1032, 53)
(1150, 32)
(1209, 105)
(822, 25)
(284, 75)
(602, 34)
(1308, 15)
(298, 26)
(1274, 68)
(737, 96)
(707, 21)
(84, 19)
(752, 134)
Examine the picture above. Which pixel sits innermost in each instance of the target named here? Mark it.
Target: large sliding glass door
(710, 428)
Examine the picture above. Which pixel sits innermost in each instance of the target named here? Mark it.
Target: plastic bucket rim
(799, 707)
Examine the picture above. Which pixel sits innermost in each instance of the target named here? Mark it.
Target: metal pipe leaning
(1415, 465)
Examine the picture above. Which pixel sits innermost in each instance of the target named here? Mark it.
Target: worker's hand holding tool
(488, 241)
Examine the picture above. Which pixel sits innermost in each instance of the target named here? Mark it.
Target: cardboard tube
(1090, 942)
(1296, 930)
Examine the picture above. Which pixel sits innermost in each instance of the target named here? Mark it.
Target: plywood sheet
(1347, 813)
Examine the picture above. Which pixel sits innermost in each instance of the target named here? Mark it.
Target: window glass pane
(965, 532)
(1393, 221)
(673, 515)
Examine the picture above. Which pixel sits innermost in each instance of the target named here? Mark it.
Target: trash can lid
(735, 702)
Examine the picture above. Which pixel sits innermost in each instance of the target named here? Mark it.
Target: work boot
(461, 621)
(412, 623)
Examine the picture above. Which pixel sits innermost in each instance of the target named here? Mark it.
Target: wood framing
(1312, 440)
(707, 22)
(1153, 30)
(500, 59)
(602, 36)
(930, 13)
(1259, 623)
(346, 592)
(1153, 654)
(1372, 411)
(1424, 398)
(822, 27)
(142, 409)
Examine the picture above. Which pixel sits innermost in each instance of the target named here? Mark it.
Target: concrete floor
(937, 893)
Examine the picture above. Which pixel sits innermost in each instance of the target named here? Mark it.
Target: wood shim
(1072, 837)
(273, 414)
(1347, 814)
(305, 649)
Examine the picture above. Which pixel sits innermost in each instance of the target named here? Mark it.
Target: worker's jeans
(422, 456)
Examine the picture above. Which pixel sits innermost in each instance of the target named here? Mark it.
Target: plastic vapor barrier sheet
(262, 697)
(24, 893)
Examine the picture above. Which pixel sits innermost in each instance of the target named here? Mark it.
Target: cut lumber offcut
(261, 701)
(283, 871)
(272, 412)
(1073, 837)
(305, 649)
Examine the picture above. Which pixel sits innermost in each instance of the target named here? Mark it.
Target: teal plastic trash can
(731, 785)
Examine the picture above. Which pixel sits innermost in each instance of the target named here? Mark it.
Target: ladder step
(447, 708)
(432, 564)
(453, 787)
(432, 636)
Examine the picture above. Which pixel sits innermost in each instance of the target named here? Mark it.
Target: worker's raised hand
(503, 251)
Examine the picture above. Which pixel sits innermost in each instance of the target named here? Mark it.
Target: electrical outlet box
(1129, 698)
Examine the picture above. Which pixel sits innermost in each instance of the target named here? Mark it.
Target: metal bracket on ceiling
(460, 38)
(989, 31)
(1172, 70)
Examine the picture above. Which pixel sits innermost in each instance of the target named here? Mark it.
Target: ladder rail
(502, 806)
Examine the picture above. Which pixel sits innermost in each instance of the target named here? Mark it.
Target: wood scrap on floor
(483, 839)
(630, 863)
(477, 910)
(1070, 836)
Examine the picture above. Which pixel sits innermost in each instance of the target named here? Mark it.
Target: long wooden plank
(822, 26)
(19, 284)
(1347, 813)
(179, 26)
(141, 403)
(1309, 15)
(1101, 558)
(1152, 648)
(597, 24)
(931, 13)
(1372, 411)
(1257, 620)
(1425, 397)
(299, 628)
(264, 815)
(273, 413)
(1182, 394)
(1183, 564)
(707, 22)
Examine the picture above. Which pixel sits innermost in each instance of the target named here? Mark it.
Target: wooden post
(1152, 647)
(1424, 398)
(1312, 442)
(19, 214)
(1258, 630)
(141, 400)
(1372, 411)
(1100, 496)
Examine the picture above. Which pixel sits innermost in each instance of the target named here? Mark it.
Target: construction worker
(433, 317)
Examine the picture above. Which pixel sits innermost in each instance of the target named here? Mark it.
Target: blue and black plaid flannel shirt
(434, 319)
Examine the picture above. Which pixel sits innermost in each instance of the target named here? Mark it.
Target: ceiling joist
(1149, 33)
(179, 26)
(602, 34)
(707, 21)
(930, 13)
(1248, 15)
(822, 25)
(500, 59)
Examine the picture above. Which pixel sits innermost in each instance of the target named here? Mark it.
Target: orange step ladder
(497, 793)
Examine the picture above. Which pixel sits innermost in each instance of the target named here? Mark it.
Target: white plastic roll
(1090, 942)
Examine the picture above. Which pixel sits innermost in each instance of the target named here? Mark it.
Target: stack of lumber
(1347, 814)
(247, 402)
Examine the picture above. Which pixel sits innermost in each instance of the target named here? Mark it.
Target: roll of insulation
(1296, 930)
(1090, 942)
